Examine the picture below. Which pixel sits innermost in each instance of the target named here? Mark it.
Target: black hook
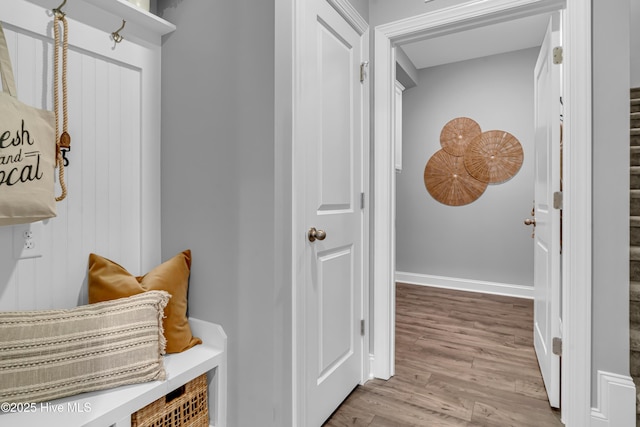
(64, 152)
(58, 10)
(117, 37)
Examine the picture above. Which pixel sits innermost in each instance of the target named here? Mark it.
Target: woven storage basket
(184, 407)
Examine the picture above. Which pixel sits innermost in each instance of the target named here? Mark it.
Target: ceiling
(498, 38)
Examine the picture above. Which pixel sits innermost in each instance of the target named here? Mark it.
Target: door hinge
(361, 200)
(557, 200)
(362, 72)
(556, 346)
(557, 55)
(362, 327)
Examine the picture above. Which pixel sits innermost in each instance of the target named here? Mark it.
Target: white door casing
(547, 219)
(330, 138)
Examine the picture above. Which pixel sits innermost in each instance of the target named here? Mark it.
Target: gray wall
(362, 6)
(485, 240)
(635, 42)
(406, 72)
(218, 182)
(610, 187)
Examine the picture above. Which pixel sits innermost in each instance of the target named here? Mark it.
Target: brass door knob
(530, 221)
(314, 234)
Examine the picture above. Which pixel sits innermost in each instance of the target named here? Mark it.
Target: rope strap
(64, 141)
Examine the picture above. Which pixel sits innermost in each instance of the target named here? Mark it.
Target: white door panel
(335, 279)
(332, 139)
(335, 57)
(547, 219)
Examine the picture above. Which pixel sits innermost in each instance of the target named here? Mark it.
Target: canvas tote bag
(27, 153)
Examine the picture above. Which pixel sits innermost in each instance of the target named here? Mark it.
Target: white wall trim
(518, 291)
(577, 232)
(616, 401)
(383, 209)
(350, 14)
(366, 213)
(372, 359)
(576, 372)
(463, 16)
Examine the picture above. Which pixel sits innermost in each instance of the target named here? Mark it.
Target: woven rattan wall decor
(448, 181)
(494, 156)
(470, 160)
(457, 134)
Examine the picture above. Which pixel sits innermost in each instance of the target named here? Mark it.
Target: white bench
(113, 407)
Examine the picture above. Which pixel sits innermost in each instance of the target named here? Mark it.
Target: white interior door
(547, 219)
(332, 95)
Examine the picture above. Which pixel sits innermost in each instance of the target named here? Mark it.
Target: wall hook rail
(58, 10)
(117, 37)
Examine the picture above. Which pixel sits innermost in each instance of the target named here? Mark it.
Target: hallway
(462, 359)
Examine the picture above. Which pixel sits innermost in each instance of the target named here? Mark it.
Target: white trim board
(616, 401)
(506, 289)
(350, 14)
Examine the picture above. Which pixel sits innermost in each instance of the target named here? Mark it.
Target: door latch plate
(556, 346)
(557, 200)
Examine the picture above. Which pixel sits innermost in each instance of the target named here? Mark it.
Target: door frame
(576, 257)
(298, 187)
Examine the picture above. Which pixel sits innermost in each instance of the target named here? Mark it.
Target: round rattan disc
(494, 157)
(457, 134)
(448, 181)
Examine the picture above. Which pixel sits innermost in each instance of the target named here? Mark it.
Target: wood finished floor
(462, 359)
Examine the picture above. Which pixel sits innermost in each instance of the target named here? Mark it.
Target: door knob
(530, 221)
(314, 234)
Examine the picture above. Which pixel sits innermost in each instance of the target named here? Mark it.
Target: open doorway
(449, 21)
(481, 244)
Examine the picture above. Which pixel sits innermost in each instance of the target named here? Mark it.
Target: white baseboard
(616, 401)
(506, 289)
(372, 360)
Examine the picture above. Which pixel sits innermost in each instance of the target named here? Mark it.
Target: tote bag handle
(6, 70)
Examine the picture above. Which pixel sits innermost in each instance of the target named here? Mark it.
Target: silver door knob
(314, 234)
(530, 221)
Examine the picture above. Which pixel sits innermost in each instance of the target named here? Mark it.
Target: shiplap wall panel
(101, 165)
(131, 161)
(74, 207)
(103, 211)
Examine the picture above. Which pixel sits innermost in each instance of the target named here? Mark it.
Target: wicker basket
(184, 407)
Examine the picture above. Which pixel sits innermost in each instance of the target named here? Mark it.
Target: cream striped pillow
(46, 355)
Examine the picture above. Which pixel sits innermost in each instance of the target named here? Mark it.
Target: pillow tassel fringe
(162, 304)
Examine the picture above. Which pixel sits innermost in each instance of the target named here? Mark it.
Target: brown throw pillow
(108, 280)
